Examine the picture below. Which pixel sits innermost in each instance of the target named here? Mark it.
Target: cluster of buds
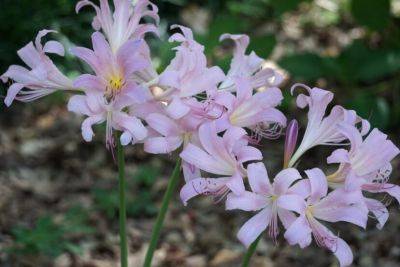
(215, 120)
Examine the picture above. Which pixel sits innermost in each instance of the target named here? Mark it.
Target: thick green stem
(172, 184)
(250, 251)
(122, 205)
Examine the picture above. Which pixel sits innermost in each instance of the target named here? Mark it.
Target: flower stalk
(122, 205)
(250, 251)
(172, 184)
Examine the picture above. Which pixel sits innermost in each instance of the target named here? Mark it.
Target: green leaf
(303, 66)
(374, 14)
(375, 109)
(263, 45)
(282, 6)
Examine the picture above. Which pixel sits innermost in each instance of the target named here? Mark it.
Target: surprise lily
(124, 24)
(187, 75)
(366, 166)
(263, 198)
(248, 67)
(256, 112)
(323, 130)
(44, 77)
(336, 206)
(111, 90)
(222, 156)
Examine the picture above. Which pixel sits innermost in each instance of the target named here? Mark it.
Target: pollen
(115, 84)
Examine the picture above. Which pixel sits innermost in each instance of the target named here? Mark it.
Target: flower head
(112, 90)
(44, 77)
(124, 23)
(248, 67)
(323, 130)
(254, 111)
(223, 156)
(366, 166)
(336, 206)
(263, 198)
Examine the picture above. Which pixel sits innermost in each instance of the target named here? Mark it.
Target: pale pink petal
(284, 179)
(252, 229)
(299, 232)
(301, 188)
(391, 189)
(162, 145)
(90, 82)
(163, 124)
(292, 203)
(12, 93)
(258, 178)
(190, 171)
(339, 156)
(341, 205)
(177, 108)
(247, 201)
(286, 217)
(200, 186)
(77, 104)
(54, 47)
(87, 131)
(248, 153)
(235, 184)
(318, 183)
(196, 156)
(379, 210)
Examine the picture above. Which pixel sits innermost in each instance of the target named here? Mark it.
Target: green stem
(250, 251)
(122, 205)
(172, 184)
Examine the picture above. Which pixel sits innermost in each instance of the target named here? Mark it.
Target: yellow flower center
(115, 85)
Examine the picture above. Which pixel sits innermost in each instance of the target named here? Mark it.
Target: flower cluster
(215, 120)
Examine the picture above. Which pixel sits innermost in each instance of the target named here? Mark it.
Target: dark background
(58, 194)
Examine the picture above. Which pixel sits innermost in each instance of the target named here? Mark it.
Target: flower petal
(284, 179)
(247, 201)
(258, 178)
(249, 232)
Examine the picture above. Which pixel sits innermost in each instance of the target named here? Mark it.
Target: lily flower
(254, 111)
(248, 67)
(263, 198)
(112, 90)
(323, 130)
(124, 23)
(336, 206)
(187, 75)
(43, 79)
(223, 156)
(366, 166)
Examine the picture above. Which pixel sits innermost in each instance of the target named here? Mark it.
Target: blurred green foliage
(51, 237)
(140, 202)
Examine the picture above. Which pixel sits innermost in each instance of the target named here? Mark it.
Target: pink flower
(336, 206)
(173, 134)
(248, 67)
(323, 130)
(124, 24)
(256, 112)
(99, 110)
(188, 68)
(44, 77)
(222, 156)
(366, 166)
(264, 198)
(112, 90)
